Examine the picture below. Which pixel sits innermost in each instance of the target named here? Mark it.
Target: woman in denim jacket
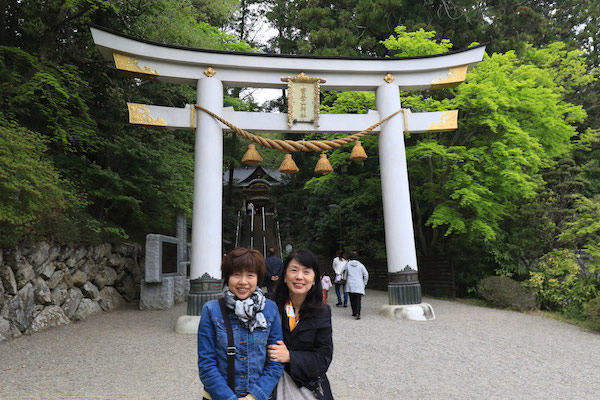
(255, 322)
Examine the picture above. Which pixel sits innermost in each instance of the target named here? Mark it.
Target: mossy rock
(503, 292)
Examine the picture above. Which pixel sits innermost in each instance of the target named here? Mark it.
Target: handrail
(264, 232)
(278, 232)
(237, 229)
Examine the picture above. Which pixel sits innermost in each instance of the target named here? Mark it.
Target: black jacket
(311, 349)
(274, 267)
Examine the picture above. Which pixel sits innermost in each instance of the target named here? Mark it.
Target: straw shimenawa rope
(301, 145)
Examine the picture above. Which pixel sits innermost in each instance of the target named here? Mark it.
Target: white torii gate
(211, 70)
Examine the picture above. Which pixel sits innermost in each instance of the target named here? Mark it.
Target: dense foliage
(560, 283)
(30, 187)
(592, 313)
(102, 179)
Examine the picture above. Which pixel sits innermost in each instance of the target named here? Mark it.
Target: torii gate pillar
(208, 195)
(404, 289)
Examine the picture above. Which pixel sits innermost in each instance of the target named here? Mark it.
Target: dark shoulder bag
(230, 346)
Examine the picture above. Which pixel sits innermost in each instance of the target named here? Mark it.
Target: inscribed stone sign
(169, 258)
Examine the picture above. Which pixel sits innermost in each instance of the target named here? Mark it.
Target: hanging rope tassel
(288, 166)
(358, 152)
(323, 165)
(251, 157)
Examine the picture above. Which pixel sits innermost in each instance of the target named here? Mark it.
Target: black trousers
(271, 286)
(355, 302)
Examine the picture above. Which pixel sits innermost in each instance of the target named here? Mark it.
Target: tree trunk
(50, 33)
(244, 7)
(2, 22)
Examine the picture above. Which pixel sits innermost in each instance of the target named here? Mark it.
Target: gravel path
(467, 352)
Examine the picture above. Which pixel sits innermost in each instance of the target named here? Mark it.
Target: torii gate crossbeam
(211, 70)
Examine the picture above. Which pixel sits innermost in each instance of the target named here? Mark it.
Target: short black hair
(314, 298)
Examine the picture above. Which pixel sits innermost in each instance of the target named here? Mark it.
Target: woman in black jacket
(307, 349)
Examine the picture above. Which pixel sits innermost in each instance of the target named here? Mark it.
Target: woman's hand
(278, 352)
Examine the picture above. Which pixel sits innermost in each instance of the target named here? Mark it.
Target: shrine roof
(244, 176)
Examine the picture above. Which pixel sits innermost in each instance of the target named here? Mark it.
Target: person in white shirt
(339, 262)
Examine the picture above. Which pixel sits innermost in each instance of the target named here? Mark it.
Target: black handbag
(343, 278)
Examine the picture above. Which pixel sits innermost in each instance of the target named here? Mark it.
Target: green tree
(357, 27)
(185, 23)
(31, 189)
(465, 184)
(533, 229)
(55, 84)
(514, 122)
(51, 100)
(418, 43)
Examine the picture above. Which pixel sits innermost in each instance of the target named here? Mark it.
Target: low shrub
(503, 292)
(592, 313)
(559, 283)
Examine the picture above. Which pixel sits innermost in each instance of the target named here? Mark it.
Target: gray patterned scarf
(248, 311)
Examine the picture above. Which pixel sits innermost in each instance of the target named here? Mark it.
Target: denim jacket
(254, 373)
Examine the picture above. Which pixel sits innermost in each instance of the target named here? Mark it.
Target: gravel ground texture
(467, 352)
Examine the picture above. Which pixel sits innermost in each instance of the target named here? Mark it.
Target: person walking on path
(274, 269)
(326, 285)
(254, 324)
(339, 262)
(307, 347)
(357, 278)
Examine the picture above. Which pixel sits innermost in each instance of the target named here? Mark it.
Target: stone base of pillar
(404, 287)
(187, 324)
(202, 290)
(413, 312)
(404, 293)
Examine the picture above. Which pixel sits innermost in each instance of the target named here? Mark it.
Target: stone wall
(47, 285)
